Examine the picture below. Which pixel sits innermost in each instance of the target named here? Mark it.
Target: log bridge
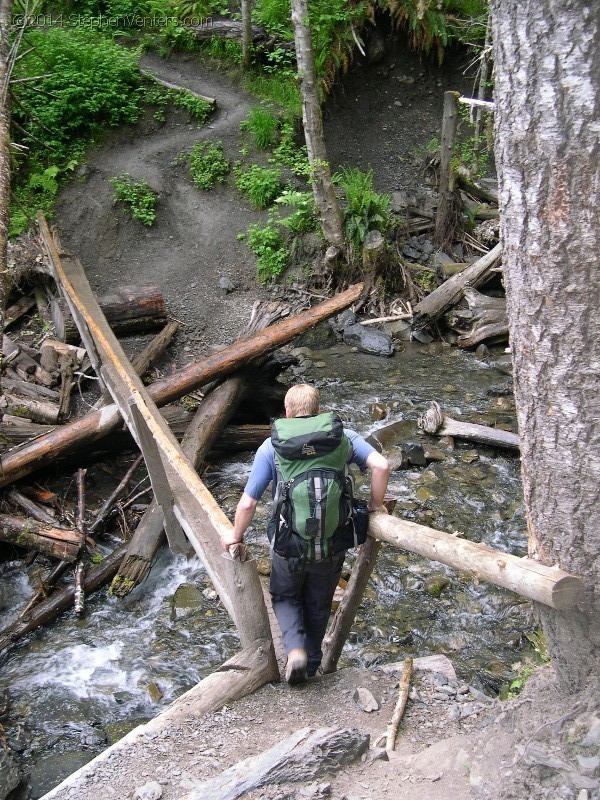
(193, 517)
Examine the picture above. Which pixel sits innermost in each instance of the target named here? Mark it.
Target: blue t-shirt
(263, 469)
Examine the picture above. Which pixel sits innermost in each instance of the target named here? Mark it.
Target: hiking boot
(295, 669)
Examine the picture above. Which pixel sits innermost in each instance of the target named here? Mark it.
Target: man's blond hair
(302, 400)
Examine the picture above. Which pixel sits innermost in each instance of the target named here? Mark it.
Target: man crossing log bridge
(315, 518)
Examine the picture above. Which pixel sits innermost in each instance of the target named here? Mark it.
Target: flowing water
(78, 685)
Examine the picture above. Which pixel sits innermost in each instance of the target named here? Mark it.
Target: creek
(78, 685)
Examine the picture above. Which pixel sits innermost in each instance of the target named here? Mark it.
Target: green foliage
(198, 9)
(199, 110)
(261, 185)
(137, 196)
(366, 209)
(224, 49)
(268, 246)
(287, 154)
(208, 165)
(263, 126)
(470, 151)
(304, 217)
(281, 89)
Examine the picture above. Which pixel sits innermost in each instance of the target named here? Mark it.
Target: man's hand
(381, 508)
(243, 517)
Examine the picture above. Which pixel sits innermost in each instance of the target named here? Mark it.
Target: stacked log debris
(44, 361)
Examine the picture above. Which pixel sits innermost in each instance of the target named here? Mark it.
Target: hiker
(312, 525)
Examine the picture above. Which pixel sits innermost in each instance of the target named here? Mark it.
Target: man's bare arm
(380, 473)
(244, 514)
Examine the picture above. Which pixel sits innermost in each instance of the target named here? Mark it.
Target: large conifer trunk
(547, 97)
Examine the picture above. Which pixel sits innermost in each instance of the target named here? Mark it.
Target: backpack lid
(304, 438)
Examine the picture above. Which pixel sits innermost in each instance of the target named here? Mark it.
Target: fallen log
(49, 609)
(29, 533)
(154, 349)
(213, 413)
(31, 508)
(28, 389)
(343, 620)
(16, 311)
(177, 88)
(394, 724)
(451, 291)
(32, 408)
(51, 351)
(242, 675)
(548, 585)
(81, 433)
(129, 309)
(487, 317)
(435, 422)
(305, 756)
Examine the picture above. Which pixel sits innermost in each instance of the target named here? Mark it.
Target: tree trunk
(5, 19)
(548, 155)
(28, 533)
(93, 426)
(246, 32)
(327, 204)
(446, 213)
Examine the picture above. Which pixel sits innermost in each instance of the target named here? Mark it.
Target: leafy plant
(288, 154)
(268, 246)
(304, 217)
(137, 196)
(366, 209)
(263, 125)
(208, 165)
(261, 185)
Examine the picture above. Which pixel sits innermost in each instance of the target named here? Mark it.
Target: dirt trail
(193, 241)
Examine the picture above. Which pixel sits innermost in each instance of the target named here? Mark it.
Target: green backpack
(313, 503)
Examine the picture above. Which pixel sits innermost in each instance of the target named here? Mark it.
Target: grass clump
(208, 165)
(288, 154)
(261, 185)
(304, 217)
(268, 246)
(366, 209)
(198, 109)
(263, 125)
(138, 198)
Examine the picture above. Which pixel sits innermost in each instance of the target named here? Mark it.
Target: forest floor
(461, 747)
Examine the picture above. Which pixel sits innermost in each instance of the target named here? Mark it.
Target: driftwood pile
(45, 384)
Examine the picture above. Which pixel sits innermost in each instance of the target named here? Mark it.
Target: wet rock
(410, 252)
(186, 600)
(369, 341)
(149, 791)
(415, 453)
(436, 584)
(378, 411)
(318, 338)
(469, 456)
(422, 336)
(397, 329)
(434, 454)
(423, 494)
(263, 565)
(154, 691)
(344, 320)
(482, 351)
(364, 700)
(209, 594)
(9, 773)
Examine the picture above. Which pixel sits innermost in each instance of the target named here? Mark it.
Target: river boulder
(375, 343)
(10, 774)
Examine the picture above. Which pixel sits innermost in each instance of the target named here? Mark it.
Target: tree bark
(327, 204)
(5, 24)
(93, 426)
(547, 99)
(246, 32)
(446, 213)
(130, 309)
(524, 576)
(29, 533)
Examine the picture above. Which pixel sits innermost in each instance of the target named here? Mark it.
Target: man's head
(301, 400)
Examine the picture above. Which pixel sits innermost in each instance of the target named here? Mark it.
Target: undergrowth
(260, 185)
(208, 165)
(263, 125)
(366, 210)
(137, 197)
(268, 246)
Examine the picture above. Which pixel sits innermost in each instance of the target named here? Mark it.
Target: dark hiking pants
(302, 603)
